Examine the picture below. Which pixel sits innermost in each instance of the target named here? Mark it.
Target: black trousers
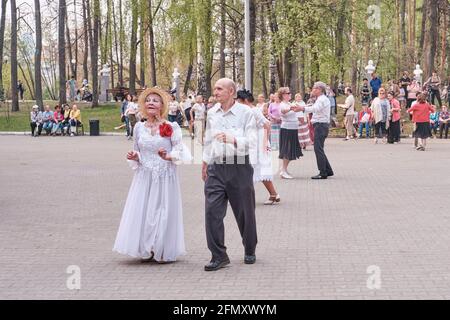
(320, 134)
(33, 126)
(444, 127)
(435, 93)
(231, 183)
(394, 131)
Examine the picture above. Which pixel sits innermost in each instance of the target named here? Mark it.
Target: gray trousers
(233, 183)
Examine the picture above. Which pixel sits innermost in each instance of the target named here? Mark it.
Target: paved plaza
(378, 229)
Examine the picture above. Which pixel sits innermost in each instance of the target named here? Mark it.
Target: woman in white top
(152, 221)
(130, 113)
(262, 168)
(198, 118)
(289, 145)
(176, 113)
(303, 128)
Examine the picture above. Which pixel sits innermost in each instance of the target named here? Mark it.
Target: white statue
(418, 74)
(370, 68)
(105, 71)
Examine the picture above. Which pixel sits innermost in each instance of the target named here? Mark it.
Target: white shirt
(350, 105)
(238, 122)
(173, 108)
(199, 111)
(320, 110)
(289, 120)
(300, 114)
(132, 108)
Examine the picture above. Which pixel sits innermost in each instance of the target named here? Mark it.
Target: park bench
(120, 93)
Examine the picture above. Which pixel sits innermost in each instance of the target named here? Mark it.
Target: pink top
(395, 110)
(58, 116)
(275, 112)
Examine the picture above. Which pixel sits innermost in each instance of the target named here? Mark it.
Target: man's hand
(223, 137)
(296, 108)
(204, 171)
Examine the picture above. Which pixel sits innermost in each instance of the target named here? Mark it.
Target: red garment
(421, 112)
(361, 114)
(395, 114)
(57, 116)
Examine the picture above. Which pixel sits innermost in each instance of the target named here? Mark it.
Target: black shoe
(318, 177)
(249, 259)
(215, 265)
(330, 174)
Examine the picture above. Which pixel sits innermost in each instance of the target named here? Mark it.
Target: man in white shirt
(228, 173)
(321, 123)
(349, 113)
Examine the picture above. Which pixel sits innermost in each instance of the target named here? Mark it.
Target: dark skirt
(289, 146)
(423, 130)
(394, 131)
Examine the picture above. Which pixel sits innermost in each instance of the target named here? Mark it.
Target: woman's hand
(133, 155)
(163, 154)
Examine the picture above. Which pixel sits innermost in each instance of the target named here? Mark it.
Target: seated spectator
(58, 119)
(75, 120)
(66, 121)
(434, 121)
(444, 122)
(47, 118)
(365, 116)
(36, 121)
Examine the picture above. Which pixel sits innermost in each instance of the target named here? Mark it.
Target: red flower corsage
(165, 130)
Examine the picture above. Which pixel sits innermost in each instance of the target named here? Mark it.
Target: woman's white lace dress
(263, 165)
(152, 218)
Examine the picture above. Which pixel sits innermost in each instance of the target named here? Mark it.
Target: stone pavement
(387, 208)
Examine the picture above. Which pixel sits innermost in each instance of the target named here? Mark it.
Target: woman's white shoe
(285, 175)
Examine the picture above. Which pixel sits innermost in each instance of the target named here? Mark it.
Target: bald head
(224, 91)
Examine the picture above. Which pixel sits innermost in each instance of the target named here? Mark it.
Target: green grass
(107, 114)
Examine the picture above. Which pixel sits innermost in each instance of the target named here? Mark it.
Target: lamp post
(247, 47)
(176, 83)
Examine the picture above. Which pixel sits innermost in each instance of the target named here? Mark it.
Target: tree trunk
(301, 66)
(62, 51)
(94, 53)
(2, 40)
(188, 78)
(223, 37)
(340, 42)
(116, 47)
(412, 30)
(252, 42)
(14, 77)
(122, 41)
(133, 48)
(30, 87)
(353, 48)
(86, 41)
(69, 47)
(423, 26)
(430, 39)
(444, 31)
(152, 46)
(142, 62)
(75, 67)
